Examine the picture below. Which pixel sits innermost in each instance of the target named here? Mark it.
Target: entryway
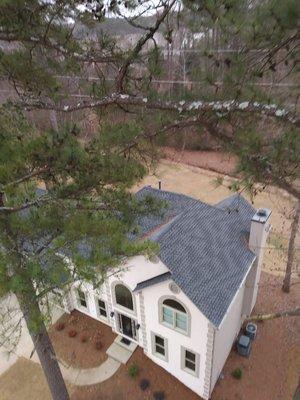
(127, 326)
(121, 352)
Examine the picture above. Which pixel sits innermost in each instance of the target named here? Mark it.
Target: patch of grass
(237, 373)
(133, 370)
(277, 240)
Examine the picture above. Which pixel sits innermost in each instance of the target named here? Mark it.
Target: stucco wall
(146, 314)
(226, 334)
(196, 340)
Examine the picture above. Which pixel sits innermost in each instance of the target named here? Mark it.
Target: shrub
(133, 370)
(60, 326)
(98, 345)
(237, 373)
(83, 338)
(159, 395)
(144, 384)
(72, 333)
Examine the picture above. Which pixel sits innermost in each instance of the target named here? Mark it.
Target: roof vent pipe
(262, 212)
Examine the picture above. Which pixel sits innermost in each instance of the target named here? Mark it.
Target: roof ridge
(181, 195)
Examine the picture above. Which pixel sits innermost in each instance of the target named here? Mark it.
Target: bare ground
(25, 380)
(80, 351)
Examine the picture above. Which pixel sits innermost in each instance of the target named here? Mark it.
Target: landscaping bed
(80, 340)
(122, 386)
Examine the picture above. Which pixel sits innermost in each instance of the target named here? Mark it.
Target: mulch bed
(81, 350)
(123, 387)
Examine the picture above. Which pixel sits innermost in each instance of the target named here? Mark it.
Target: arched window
(174, 315)
(123, 296)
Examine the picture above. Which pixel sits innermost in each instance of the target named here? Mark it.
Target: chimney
(259, 230)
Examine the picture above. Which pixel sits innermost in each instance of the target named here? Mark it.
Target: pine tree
(61, 199)
(85, 211)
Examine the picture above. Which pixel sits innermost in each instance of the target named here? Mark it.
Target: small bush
(159, 395)
(133, 370)
(237, 373)
(144, 384)
(60, 326)
(98, 345)
(72, 333)
(83, 338)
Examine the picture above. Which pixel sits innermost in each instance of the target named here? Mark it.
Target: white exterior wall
(226, 334)
(130, 274)
(146, 314)
(196, 341)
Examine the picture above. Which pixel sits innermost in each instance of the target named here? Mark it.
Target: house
(186, 307)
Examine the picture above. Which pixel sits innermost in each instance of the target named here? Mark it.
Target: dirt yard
(81, 351)
(25, 380)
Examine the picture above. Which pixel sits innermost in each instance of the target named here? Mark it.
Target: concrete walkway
(117, 353)
(90, 376)
(76, 376)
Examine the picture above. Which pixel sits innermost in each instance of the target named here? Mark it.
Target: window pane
(167, 315)
(174, 304)
(160, 350)
(190, 365)
(102, 308)
(124, 296)
(159, 340)
(82, 298)
(102, 312)
(181, 321)
(190, 356)
(101, 303)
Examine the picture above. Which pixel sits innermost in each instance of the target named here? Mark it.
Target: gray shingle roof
(205, 247)
(152, 281)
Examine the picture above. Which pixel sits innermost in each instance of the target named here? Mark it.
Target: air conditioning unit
(251, 330)
(244, 346)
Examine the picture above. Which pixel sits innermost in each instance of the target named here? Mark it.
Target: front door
(127, 326)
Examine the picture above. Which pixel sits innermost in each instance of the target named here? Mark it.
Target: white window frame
(80, 306)
(173, 326)
(100, 316)
(165, 347)
(122, 309)
(183, 360)
(174, 313)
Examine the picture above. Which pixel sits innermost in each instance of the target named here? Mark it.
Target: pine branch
(28, 176)
(219, 108)
(140, 44)
(25, 206)
(264, 317)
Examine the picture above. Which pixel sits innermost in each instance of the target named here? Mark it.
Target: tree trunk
(291, 250)
(53, 120)
(264, 317)
(43, 345)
